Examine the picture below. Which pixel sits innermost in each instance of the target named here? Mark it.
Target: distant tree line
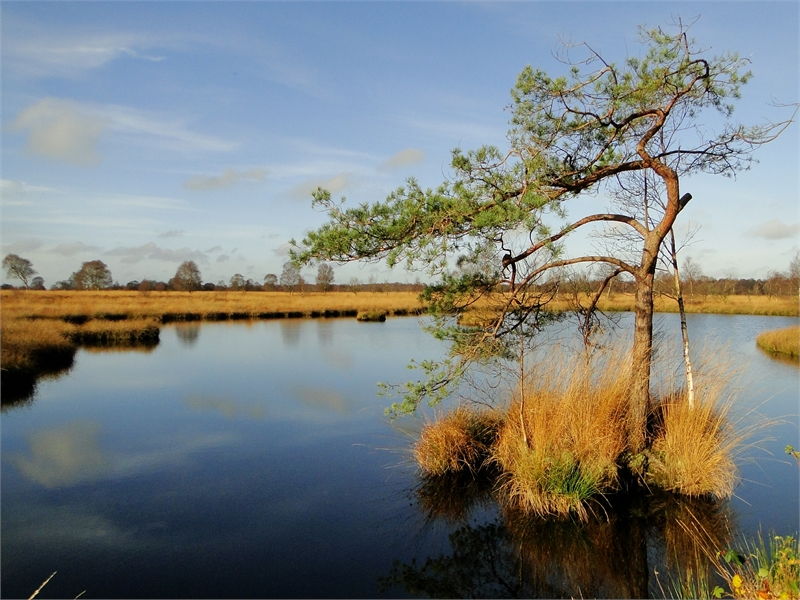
(95, 275)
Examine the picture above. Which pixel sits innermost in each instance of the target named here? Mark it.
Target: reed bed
(781, 341)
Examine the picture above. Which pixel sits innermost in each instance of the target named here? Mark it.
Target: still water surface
(254, 460)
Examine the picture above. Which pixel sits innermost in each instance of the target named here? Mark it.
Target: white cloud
(152, 251)
(282, 250)
(228, 178)
(774, 230)
(334, 184)
(58, 129)
(409, 156)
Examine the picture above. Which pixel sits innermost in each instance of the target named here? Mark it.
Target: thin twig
(41, 586)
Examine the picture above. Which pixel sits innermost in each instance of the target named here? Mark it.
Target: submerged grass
(781, 341)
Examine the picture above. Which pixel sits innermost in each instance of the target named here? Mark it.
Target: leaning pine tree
(571, 135)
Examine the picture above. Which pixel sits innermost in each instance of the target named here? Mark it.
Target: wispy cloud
(228, 178)
(334, 184)
(172, 233)
(282, 250)
(14, 187)
(75, 248)
(70, 131)
(35, 52)
(152, 251)
(774, 230)
(26, 245)
(169, 132)
(404, 158)
(59, 130)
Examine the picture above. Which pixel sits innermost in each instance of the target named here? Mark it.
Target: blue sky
(146, 133)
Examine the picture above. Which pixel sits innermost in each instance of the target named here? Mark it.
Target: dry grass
(561, 446)
(459, 440)
(693, 452)
(694, 449)
(26, 342)
(786, 306)
(202, 305)
(781, 341)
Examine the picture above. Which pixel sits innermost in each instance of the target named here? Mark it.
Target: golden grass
(456, 441)
(24, 341)
(786, 306)
(561, 445)
(781, 341)
(693, 452)
(201, 305)
(694, 449)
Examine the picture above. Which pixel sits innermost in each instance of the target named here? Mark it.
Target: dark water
(254, 460)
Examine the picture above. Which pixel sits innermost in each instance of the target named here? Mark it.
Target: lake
(255, 460)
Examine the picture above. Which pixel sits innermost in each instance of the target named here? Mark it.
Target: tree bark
(639, 405)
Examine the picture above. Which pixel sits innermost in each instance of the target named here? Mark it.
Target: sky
(144, 134)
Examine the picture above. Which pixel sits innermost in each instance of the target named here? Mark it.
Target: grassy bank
(781, 341)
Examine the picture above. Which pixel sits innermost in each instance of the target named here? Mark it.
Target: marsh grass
(560, 447)
(781, 341)
(694, 451)
(729, 305)
(457, 441)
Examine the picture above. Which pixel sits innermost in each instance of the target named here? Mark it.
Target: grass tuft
(457, 441)
(561, 445)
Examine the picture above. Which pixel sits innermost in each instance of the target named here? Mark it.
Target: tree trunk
(642, 352)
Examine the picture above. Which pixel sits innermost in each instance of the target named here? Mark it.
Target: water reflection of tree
(290, 332)
(188, 333)
(614, 555)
